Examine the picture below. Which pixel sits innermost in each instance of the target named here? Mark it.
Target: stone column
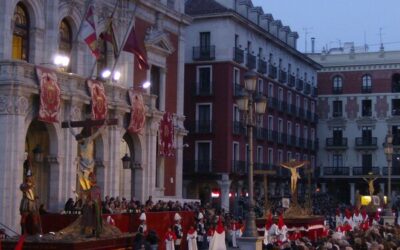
(6, 32)
(352, 193)
(225, 185)
(114, 168)
(56, 200)
(181, 72)
(12, 149)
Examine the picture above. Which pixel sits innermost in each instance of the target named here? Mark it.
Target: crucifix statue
(370, 182)
(293, 165)
(85, 141)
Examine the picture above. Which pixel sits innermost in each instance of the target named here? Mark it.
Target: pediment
(158, 42)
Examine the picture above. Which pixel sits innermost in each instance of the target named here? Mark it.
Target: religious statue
(29, 210)
(86, 159)
(370, 182)
(293, 165)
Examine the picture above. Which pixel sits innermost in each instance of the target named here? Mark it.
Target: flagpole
(124, 40)
(108, 24)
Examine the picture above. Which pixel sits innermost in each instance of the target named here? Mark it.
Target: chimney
(313, 45)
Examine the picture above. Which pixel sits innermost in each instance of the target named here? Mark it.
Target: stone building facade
(30, 35)
(358, 102)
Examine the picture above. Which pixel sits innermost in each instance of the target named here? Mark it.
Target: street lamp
(245, 103)
(389, 154)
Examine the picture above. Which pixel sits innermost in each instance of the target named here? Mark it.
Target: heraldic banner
(50, 93)
(166, 138)
(99, 100)
(138, 112)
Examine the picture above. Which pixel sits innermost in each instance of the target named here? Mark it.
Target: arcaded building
(31, 34)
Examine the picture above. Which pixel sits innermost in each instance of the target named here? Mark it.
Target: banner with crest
(166, 136)
(99, 100)
(138, 112)
(50, 95)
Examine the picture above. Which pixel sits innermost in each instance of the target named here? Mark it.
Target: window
(236, 40)
(280, 156)
(366, 108)
(289, 156)
(236, 76)
(312, 107)
(280, 125)
(396, 83)
(337, 160)
(235, 151)
(205, 40)
(298, 101)
(20, 40)
(337, 136)
(236, 113)
(366, 163)
(260, 86)
(204, 75)
(289, 98)
(203, 118)
(305, 133)
(270, 123)
(297, 130)
(280, 94)
(270, 90)
(305, 103)
(312, 162)
(259, 154)
(367, 132)
(396, 107)
(289, 128)
(337, 85)
(270, 156)
(297, 156)
(155, 87)
(366, 84)
(305, 157)
(337, 109)
(312, 134)
(289, 68)
(203, 156)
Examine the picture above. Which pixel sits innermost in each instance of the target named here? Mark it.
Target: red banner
(49, 95)
(99, 100)
(166, 139)
(138, 112)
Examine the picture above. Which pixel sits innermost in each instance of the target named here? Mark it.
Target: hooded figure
(218, 239)
(201, 231)
(143, 226)
(338, 218)
(357, 218)
(269, 231)
(191, 238)
(178, 231)
(281, 230)
(348, 218)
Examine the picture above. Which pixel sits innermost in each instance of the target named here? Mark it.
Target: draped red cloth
(50, 93)
(20, 243)
(138, 112)
(166, 132)
(99, 100)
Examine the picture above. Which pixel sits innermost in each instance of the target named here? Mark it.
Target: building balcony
(251, 61)
(366, 89)
(282, 106)
(291, 140)
(314, 92)
(282, 76)
(239, 167)
(238, 128)
(204, 53)
(338, 171)
(366, 113)
(292, 81)
(272, 136)
(238, 55)
(395, 171)
(204, 89)
(337, 114)
(264, 166)
(272, 103)
(282, 138)
(261, 133)
(198, 167)
(262, 66)
(292, 109)
(336, 143)
(201, 127)
(337, 90)
(272, 71)
(362, 143)
(299, 85)
(312, 145)
(365, 170)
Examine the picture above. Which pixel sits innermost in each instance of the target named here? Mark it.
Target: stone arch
(35, 11)
(73, 16)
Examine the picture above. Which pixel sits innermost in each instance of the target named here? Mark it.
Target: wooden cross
(265, 173)
(89, 123)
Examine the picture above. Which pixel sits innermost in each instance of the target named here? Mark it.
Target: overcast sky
(333, 22)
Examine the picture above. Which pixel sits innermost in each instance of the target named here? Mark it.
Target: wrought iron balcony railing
(238, 55)
(251, 61)
(204, 53)
(262, 66)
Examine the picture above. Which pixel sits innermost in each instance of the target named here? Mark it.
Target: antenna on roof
(306, 32)
(380, 38)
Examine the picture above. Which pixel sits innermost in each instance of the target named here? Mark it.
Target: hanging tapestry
(99, 100)
(138, 112)
(50, 93)
(166, 136)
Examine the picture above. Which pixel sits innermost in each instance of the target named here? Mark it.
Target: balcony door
(203, 80)
(366, 135)
(203, 157)
(337, 136)
(203, 117)
(366, 163)
(337, 160)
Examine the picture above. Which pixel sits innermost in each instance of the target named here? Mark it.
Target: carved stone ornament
(14, 105)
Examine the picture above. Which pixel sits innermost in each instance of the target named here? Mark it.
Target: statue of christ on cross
(293, 165)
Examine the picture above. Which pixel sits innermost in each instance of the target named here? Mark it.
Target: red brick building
(225, 40)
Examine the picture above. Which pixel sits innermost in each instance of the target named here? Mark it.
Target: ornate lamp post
(389, 156)
(245, 103)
